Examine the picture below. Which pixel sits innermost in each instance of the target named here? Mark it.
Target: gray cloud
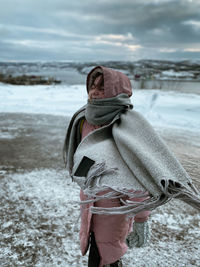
(114, 29)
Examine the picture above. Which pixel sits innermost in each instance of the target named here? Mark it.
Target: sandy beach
(38, 213)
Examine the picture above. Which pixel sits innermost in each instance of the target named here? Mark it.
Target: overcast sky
(86, 30)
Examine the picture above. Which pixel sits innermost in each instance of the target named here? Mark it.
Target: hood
(115, 82)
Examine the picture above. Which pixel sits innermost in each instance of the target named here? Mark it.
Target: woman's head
(109, 93)
(97, 87)
(103, 82)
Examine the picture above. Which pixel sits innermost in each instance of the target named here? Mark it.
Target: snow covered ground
(171, 73)
(40, 228)
(38, 211)
(161, 108)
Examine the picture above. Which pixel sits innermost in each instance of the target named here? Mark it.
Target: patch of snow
(161, 108)
(10, 132)
(169, 109)
(39, 227)
(7, 135)
(7, 224)
(172, 73)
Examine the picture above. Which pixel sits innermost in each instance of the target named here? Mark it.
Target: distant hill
(75, 72)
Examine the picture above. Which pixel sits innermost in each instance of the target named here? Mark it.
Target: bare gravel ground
(38, 213)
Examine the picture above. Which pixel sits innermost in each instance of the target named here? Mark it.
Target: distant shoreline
(182, 86)
(27, 79)
(77, 71)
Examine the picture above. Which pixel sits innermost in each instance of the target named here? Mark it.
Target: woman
(128, 169)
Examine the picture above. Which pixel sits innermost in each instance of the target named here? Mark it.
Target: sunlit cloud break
(194, 23)
(192, 50)
(114, 37)
(125, 41)
(168, 50)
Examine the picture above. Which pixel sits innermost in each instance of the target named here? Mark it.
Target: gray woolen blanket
(129, 155)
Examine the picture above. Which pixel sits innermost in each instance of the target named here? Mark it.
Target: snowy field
(161, 108)
(39, 214)
(40, 227)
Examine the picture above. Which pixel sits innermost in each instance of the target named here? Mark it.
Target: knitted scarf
(103, 111)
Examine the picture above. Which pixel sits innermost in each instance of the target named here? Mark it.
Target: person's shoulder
(136, 118)
(132, 113)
